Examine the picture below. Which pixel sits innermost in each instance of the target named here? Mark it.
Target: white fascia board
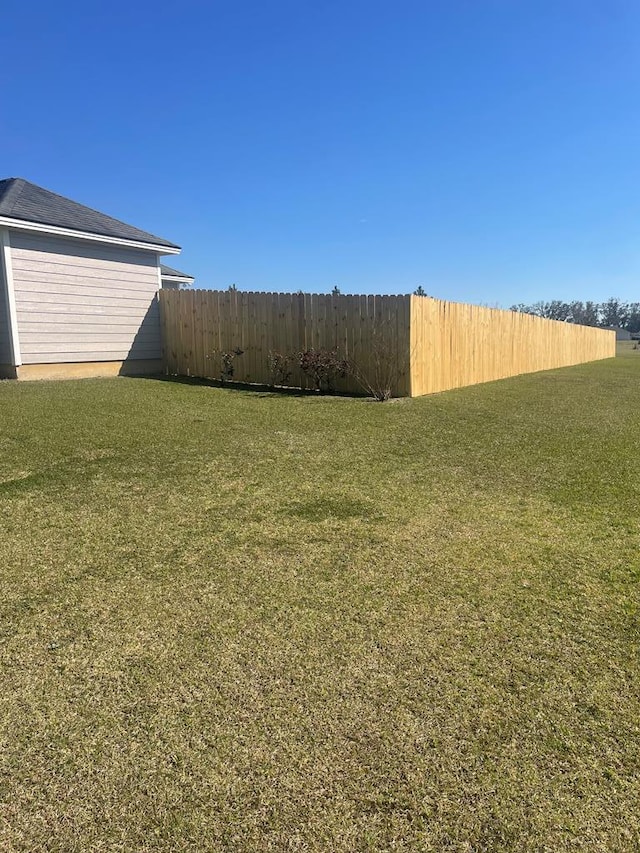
(23, 225)
(5, 251)
(182, 279)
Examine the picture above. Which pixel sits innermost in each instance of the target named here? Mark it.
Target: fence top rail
(445, 303)
(293, 293)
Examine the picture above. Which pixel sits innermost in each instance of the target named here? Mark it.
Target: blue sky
(487, 150)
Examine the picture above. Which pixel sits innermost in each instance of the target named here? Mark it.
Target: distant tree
(554, 310)
(591, 314)
(335, 291)
(613, 312)
(232, 287)
(565, 312)
(576, 312)
(419, 291)
(633, 318)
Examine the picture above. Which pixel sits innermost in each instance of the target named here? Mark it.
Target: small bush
(323, 367)
(227, 367)
(382, 372)
(279, 368)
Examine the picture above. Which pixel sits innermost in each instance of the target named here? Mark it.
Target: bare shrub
(323, 367)
(279, 368)
(382, 374)
(227, 358)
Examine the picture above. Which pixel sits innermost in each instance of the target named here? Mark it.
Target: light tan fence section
(200, 325)
(424, 345)
(453, 345)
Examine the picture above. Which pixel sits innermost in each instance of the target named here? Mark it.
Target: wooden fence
(199, 325)
(453, 344)
(416, 345)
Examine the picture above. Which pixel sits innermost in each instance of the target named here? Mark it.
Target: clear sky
(486, 149)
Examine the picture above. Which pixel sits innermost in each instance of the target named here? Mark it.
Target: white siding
(6, 356)
(80, 301)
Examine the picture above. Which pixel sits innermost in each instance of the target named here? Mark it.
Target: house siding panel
(6, 356)
(84, 302)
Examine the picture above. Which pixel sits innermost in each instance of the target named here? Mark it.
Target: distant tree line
(613, 312)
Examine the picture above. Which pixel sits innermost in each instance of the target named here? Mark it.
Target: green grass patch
(249, 622)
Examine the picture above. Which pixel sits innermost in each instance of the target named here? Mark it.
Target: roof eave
(55, 230)
(186, 279)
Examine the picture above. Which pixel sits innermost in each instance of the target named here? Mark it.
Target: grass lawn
(236, 621)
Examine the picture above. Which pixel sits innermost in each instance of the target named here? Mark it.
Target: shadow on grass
(253, 388)
(322, 509)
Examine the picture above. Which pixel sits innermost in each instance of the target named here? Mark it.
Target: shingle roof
(166, 271)
(20, 199)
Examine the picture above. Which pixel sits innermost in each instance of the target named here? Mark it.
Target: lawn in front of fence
(242, 621)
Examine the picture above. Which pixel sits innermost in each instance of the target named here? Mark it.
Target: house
(621, 334)
(174, 279)
(78, 289)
